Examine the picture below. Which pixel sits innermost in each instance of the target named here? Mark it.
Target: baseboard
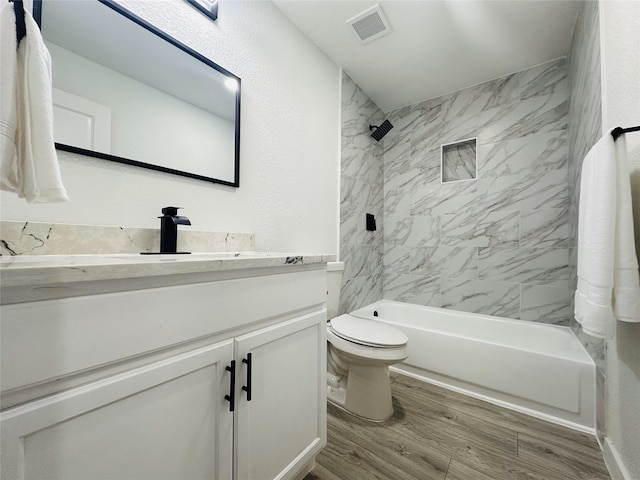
(613, 461)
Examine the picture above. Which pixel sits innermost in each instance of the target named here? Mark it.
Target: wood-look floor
(439, 434)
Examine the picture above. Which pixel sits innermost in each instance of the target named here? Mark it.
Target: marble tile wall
(585, 128)
(361, 190)
(497, 244)
(28, 238)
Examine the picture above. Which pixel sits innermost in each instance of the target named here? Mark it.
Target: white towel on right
(608, 278)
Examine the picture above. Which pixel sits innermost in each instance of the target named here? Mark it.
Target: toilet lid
(367, 332)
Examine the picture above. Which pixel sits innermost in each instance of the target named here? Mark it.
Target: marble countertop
(47, 271)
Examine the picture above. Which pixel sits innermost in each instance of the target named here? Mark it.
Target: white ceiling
(436, 46)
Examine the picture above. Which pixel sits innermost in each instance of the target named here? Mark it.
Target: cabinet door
(283, 426)
(167, 420)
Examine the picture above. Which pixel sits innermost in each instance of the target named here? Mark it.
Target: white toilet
(358, 357)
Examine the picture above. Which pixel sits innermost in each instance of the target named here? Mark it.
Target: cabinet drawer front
(46, 340)
(164, 421)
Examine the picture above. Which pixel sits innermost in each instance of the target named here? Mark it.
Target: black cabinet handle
(232, 387)
(247, 387)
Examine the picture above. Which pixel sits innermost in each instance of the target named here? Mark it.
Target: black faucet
(169, 229)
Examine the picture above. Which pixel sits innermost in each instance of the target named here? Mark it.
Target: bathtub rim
(581, 354)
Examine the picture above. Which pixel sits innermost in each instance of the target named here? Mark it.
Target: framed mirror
(127, 92)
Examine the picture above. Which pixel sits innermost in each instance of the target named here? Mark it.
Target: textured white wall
(290, 140)
(620, 42)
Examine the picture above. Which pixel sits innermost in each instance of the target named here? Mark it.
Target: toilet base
(367, 394)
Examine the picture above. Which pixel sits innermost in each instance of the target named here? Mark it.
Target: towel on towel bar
(608, 278)
(29, 164)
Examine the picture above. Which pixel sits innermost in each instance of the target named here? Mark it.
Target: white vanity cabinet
(139, 384)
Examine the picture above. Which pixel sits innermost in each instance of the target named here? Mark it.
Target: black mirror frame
(211, 12)
(37, 15)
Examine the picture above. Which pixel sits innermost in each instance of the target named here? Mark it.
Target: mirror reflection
(125, 91)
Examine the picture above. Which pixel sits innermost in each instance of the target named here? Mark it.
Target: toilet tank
(334, 284)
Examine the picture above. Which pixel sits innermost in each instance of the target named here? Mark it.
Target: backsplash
(28, 238)
(497, 244)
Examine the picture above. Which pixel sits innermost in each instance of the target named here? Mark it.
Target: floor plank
(370, 448)
(459, 471)
(450, 421)
(438, 434)
(491, 413)
(321, 473)
(567, 459)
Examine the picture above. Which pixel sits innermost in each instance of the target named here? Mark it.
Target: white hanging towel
(8, 99)
(608, 278)
(29, 164)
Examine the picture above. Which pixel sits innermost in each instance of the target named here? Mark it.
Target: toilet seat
(369, 333)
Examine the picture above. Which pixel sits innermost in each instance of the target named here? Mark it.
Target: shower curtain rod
(616, 132)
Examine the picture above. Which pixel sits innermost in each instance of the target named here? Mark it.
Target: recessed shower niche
(459, 161)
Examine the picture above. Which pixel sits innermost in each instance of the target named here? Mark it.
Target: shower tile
(547, 79)
(412, 289)
(427, 128)
(375, 206)
(396, 258)
(426, 168)
(349, 234)
(357, 108)
(398, 170)
(358, 198)
(444, 198)
(482, 229)
(359, 291)
(412, 231)
(479, 98)
(398, 150)
(534, 153)
(396, 202)
(543, 113)
(351, 208)
(524, 191)
(595, 347)
(481, 296)
(573, 217)
(403, 120)
(459, 161)
(444, 261)
(462, 128)
(546, 304)
(537, 266)
(547, 227)
(362, 260)
(364, 163)
(573, 269)
(353, 195)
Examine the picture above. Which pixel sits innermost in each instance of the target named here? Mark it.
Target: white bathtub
(538, 369)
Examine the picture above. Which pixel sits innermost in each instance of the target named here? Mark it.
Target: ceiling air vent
(370, 24)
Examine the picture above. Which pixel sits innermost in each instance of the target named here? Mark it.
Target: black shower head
(381, 131)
